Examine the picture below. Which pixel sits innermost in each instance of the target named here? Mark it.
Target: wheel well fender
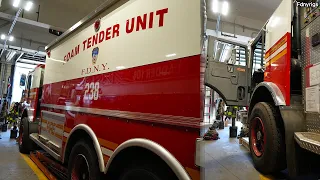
(267, 92)
(83, 131)
(139, 145)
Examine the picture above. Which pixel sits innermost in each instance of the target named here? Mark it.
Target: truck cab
(33, 91)
(31, 98)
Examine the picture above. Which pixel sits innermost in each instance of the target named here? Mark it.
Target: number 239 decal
(92, 91)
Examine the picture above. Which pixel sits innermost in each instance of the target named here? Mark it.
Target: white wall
(20, 69)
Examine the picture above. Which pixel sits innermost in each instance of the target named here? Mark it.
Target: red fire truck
(121, 93)
(277, 76)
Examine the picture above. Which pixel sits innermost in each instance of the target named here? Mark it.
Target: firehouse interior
(259, 93)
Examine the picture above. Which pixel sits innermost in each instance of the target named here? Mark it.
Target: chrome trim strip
(276, 93)
(165, 155)
(65, 134)
(149, 117)
(34, 138)
(199, 158)
(47, 115)
(95, 144)
(106, 151)
(93, 14)
(53, 113)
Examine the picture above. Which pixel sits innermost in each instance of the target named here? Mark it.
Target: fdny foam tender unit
(121, 93)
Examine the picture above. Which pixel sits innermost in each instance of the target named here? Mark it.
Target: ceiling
(250, 13)
(31, 32)
(61, 14)
(259, 10)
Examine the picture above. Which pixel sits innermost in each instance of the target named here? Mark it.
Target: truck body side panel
(135, 76)
(278, 48)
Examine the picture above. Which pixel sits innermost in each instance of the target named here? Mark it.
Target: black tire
(148, 167)
(273, 157)
(83, 162)
(25, 143)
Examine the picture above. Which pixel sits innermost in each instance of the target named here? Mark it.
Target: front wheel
(25, 143)
(266, 139)
(83, 162)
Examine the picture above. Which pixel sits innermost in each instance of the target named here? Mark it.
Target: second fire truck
(278, 77)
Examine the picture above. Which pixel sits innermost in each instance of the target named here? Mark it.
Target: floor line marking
(34, 167)
(262, 177)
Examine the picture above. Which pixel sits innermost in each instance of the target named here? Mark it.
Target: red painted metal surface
(166, 88)
(278, 71)
(33, 101)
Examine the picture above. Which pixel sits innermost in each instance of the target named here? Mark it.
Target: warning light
(55, 32)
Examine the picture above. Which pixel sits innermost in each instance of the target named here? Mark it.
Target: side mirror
(23, 80)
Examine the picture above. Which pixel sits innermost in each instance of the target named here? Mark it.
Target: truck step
(35, 137)
(309, 141)
(52, 169)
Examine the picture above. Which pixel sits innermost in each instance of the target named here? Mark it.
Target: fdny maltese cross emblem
(95, 53)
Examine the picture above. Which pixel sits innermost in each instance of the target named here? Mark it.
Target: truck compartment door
(226, 70)
(52, 130)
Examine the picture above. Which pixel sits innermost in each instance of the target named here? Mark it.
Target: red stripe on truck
(167, 88)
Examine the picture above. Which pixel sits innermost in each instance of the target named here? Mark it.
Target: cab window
(229, 53)
(258, 56)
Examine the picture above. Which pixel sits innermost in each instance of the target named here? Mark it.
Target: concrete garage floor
(226, 159)
(12, 163)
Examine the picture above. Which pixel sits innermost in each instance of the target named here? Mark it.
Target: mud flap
(293, 120)
(33, 127)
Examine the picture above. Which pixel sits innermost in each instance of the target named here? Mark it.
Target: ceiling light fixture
(16, 3)
(3, 37)
(215, 6)
(225, 8)
(11, 38)
(28, 6)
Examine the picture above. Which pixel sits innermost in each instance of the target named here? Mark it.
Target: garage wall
(241, 26)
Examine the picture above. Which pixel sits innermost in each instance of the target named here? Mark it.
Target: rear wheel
(142, 165)
(266, 138)
(83, 162)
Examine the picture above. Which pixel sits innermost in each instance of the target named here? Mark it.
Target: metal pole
(38, 13)
(218, 23)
